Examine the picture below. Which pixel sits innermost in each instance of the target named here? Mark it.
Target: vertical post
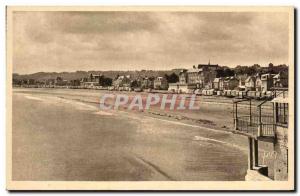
(274, 117)
(250, 154)
(259, 123)
(276, 113)
(255, 145)
(233, 112)
(236, 110)
(236, 117)
(284, 119)
(250, 112)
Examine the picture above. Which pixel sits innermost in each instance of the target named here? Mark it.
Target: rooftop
(194, 70)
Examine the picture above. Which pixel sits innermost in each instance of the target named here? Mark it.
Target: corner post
(236, 117)
(250, 115)
(259, 123)
(250, 154)
(255, 146)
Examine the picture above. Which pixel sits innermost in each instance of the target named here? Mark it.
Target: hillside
(81, 74)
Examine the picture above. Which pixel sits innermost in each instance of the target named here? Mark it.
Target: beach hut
(242, 94)
(269, 94)
(210, 92)
(251, 94)
(234, 93)
(257, 94)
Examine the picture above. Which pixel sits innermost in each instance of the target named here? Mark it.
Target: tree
(135, 84)
(225, 72)
(228, 72)
(173, 78)
(105, 81)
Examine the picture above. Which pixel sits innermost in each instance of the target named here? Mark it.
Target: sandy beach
(158, 145)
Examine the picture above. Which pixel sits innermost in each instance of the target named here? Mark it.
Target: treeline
(105, 81)
(172, 78)
(170, 75)
(224, 71)
(39, 76)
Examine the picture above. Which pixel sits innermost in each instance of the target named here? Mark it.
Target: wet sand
(61, 134)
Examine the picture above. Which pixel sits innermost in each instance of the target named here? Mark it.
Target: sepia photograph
(150, 98)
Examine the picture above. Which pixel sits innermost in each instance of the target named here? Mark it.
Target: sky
(72, 41)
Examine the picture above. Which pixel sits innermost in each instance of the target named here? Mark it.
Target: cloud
(69, 41)
(102, 22)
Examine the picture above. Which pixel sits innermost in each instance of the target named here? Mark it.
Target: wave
(33, 98)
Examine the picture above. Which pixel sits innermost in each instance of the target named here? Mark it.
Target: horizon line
(73, 71)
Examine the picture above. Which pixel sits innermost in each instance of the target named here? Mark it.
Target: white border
(295, 3)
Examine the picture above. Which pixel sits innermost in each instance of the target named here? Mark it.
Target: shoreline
(211, 105)
(210, 116)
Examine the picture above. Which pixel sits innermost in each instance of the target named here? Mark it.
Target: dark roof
(207, 65)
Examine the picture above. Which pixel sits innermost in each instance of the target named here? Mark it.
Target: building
(95, 78)
(181, 88)
(258, 83)
(59, 81)
(147, 83)
(208, 74)
(75, 82)
(136, 83)
(195, 76)
(91, 80)
(250, 83)
(281, 119)
(50, 82)
(281, 80)
(31, 82)
(264, 126)
(230, 83)
(122, 81)
(264, 82)
(209, 85)
(183, 77)
(211, 67)
(161, 83)
(242, 82)
(83, 81)
(218, 84)
(200, 77)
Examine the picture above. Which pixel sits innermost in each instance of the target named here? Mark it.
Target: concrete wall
(258, 174)
(281, 162)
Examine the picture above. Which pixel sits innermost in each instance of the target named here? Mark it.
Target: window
(282, 113)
